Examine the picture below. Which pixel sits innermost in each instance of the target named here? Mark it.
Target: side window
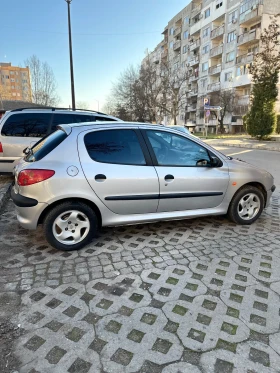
(175, 150)
(27, 125)
(70, 118)
(115, 146)
(104, 119)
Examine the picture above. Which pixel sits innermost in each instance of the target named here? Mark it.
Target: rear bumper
(28, 210)
(21, 201)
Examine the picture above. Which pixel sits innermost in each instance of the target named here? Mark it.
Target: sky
(108, 36)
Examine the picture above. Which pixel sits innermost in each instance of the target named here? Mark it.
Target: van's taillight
(29, 177)
(1, 147)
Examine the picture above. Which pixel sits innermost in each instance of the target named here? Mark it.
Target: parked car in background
(21, 128)
(85, 176)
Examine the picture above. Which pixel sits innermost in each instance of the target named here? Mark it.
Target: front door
(187, 179)
(117, 166)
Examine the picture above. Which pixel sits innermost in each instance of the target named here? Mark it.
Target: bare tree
(43, 82)
(174, 81)
(224, 98)
(82, 105)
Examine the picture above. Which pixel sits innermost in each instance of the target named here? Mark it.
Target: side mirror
(26, 150)
(215, 162)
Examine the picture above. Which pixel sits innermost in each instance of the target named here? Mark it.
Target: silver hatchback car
(82, 177)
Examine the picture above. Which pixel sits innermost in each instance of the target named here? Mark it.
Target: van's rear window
(45, 146)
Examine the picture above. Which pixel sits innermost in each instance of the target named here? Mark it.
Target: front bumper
(269, 194)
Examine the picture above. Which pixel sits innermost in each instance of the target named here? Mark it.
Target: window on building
(219, 3)
(205, 66)
(7, 77)
(185, 34)
(228, 77)
(203, 83)
(171, 45)
(186, 20)
(205, 49)
(13, 80)
(13, 87)
(171, 31)
(207, 13)
(239, 71)
(206, 32)
(231, 36)
(12, 73)
(232, 18)
(16, 72)
(18, 94)
(185, 49)
(230, 56)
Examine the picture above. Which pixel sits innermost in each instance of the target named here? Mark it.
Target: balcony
(216, 51)
(215, 69)
(195, 44)
(214, 87)
(192, 107)
(177, 32)
(244, 59)
(193, 92)
(164, 54)
(193, 77)
(243, 100)
(194, 61)
(249, 37)
(177, 45)
(240, 110)
(156, 58)
(196, 9)
(218, 32)
(252, 15)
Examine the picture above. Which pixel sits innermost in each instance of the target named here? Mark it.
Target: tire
(70, 226)
(245, 211)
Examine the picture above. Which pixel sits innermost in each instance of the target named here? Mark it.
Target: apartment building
(14, 82)
(216, 40)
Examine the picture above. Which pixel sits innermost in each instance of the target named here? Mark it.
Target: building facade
(14, 83)
(216, 40)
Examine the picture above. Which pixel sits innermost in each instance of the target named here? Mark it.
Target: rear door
(119, 170)
(186, 178)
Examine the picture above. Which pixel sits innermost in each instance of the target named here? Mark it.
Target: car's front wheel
(70, 226)
(246, 205)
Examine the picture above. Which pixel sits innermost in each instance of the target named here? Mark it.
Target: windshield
(45, 146)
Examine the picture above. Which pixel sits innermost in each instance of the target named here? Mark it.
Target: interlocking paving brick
(249, 357)
(147, 341)
(79, 366)
(221, 274)
(175, 280)
(55, 354)
(206, 321)
(262, 267)
(34, 343)
(256, 307)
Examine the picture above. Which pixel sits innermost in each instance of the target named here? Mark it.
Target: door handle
(100, 178)
(169, 178)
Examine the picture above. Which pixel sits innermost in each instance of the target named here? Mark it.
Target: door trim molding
(162, 196)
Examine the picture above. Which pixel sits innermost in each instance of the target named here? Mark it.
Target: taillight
(29, 177)
(1, 147)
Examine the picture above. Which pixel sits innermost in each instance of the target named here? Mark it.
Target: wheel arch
(255, 184)
(91, 204)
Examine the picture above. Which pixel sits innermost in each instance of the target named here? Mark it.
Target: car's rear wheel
(246, 205)
(70, 226)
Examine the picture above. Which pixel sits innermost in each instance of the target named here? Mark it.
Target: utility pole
(71, 57)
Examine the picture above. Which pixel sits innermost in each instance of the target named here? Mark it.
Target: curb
(4, 194)
(245, 146)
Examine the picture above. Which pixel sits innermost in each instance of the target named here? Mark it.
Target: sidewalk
(245, 143)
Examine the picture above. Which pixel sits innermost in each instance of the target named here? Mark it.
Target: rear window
(70, 118)
(45, 146)
(27, 125)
